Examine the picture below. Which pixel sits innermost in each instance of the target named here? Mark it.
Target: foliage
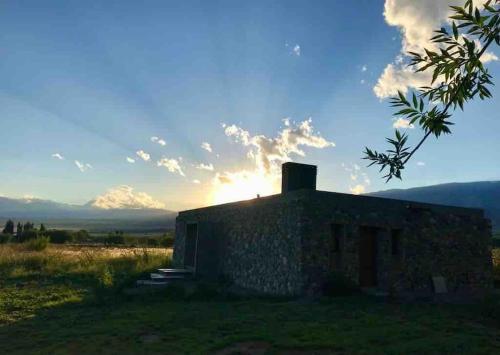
(27, 234)
(9, 227)
(167, 241)
(58, 236)
(37, 244)
(5, 238)
(458, 76)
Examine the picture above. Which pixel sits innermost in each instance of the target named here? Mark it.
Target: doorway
(191, 246)
(368, 257)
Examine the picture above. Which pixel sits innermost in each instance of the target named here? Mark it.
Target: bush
(81, 236)
(37, 244)
(338, 284)
(167, 241)
(60, 236)
(114, 239)
(27, 235)
(5, 238)
(152, 242)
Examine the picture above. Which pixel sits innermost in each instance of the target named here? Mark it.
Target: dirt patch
(246, 348)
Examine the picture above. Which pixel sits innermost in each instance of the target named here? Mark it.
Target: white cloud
(488, 57)
(357, 189)
(143, 155)
(269, 153)
(286, 121)
(83, 166)
(420, 163)
(364, 68)
(202, 166)
(399, 77)
(402, 123)
(57, 156)
(158, 140)
(416, 21)
(356, 175)
(196, 181)
(296, 50)
(206, 146)
(171, 165)
(130, 160)
(362, 81)
(124, 197)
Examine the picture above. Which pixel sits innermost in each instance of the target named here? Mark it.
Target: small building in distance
(292, 243)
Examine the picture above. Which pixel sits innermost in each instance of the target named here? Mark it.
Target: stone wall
(434, 241)
(259, 243)
(282, 244)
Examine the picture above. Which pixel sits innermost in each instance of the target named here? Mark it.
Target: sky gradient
(85, 86)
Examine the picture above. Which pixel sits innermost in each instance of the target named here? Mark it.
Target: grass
(67, 300)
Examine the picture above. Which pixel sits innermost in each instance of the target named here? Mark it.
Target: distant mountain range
(55, 214)
(485, 195)
(481, 194)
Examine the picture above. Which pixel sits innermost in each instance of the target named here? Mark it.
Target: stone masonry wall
(434, 241)
(259, 242)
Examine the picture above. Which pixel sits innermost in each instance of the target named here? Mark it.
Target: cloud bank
(124, 197)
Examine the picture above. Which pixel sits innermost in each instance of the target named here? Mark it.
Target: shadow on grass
(204, 320)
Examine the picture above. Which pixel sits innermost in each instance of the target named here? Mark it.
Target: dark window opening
(396, 242)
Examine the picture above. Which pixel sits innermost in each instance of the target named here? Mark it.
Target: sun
(243, 185)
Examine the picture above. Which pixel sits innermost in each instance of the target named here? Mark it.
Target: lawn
(72, 301)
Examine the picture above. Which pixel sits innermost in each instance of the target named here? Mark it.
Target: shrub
(5, 238)
(27, 235)
(115, 239)
(152, 242)
(37, 244)
(60, 236)
(338, 284)
(81, 236)
(167, 241)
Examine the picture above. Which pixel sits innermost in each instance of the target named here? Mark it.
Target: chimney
(295, 176)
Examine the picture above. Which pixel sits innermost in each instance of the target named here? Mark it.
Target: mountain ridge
(477, 194)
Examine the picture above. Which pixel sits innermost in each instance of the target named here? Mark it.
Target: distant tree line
(27, 231)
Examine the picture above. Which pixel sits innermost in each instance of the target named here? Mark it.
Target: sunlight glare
(243, 185)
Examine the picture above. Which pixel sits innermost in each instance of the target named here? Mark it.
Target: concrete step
(176, 271)
(152, 283)
(162, 276)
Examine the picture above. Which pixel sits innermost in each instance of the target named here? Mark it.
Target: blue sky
(94, 81)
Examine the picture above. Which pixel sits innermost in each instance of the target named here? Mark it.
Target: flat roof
(342, 198)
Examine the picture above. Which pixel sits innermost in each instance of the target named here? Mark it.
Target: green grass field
(68, 300)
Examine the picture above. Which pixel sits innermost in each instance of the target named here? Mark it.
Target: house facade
(290, 243)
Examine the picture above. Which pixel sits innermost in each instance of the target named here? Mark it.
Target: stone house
(290, 243)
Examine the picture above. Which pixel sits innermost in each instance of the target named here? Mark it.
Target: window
(396, 242)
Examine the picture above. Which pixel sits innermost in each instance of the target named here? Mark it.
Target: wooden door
(368, 257)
